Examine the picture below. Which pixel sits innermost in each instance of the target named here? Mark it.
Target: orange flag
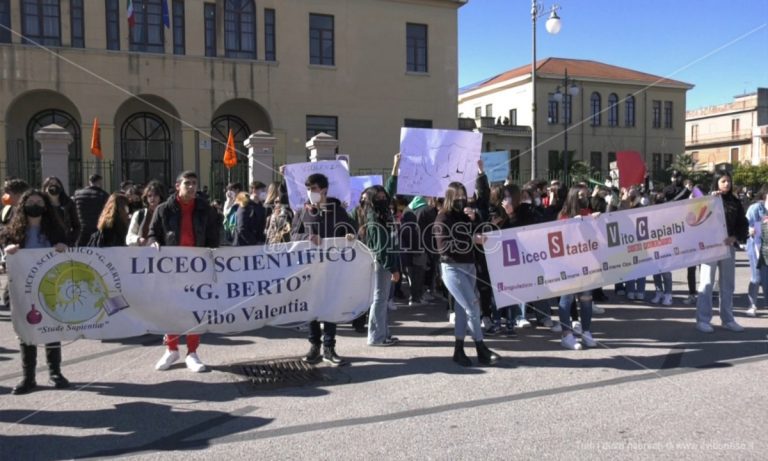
(96, 139)
(230, 156)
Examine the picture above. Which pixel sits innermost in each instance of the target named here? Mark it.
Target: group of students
(432, 241)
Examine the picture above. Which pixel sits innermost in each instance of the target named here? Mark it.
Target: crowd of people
(429, 247)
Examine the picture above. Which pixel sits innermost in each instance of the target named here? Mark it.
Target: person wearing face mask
(112, 227)
(251, 216)
(737, 227)
(322, 217)
(455, 239)
(35, 225)
(138, 230)
(758, 267)
(230, 210)
(64, 207)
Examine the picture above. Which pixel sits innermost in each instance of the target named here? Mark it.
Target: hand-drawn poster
(296, 175)
(432, 159)
(357, 184)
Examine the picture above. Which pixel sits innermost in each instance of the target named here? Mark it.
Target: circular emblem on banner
(72, 292)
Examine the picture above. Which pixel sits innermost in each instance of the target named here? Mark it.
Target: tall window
(595, 106)
(270, 39)
(667, 114)
(514, 162)
(416, 47)
(668, 159)
(178, 27)
(209, 13)
(735, 128)
(66, 121)
(76, 23)
(489, 110)
(596, 161)
(513, 117)
(694, 133)
(321, 46)
(611, 158)
(656, 158)
(220, 175)
(239, 29)
(629, 111)
(146, 148)
(478, 112)
(113, 24)
(5, 20)
(147, 33)
(41, 22)
(552, 111)
(656, 114)
(567, 109)
(327, 124)
(613, 110)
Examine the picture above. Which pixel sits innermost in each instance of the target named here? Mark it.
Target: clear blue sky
(687, 40)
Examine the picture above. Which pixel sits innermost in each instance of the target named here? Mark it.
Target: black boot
(28, 364)
(485, 355)
(53, 356)
(329, 356)
(313, 356)
(458, 354)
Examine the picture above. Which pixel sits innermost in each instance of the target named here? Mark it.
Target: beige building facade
(735, 132)
(166, 96)
(605, 109)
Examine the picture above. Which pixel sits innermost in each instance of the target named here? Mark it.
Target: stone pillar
(54, 152)
(322, 147)
(261, 146)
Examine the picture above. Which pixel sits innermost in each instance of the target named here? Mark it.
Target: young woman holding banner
(35, 225)
(737, 227)
(455, 240)
(576, 206)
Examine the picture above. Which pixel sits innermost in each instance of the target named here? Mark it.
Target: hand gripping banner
(578, 254)
(109, 293)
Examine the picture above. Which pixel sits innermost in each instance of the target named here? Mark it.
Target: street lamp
(553, 27)
(569, 86)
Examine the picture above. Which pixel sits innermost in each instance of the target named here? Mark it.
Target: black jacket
(735, 218)
(166, 224)
(328, 220)
(453, 237)
(89, 202)
(251, 221)
(67, 213)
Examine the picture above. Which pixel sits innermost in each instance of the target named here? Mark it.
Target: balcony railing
(741, 135)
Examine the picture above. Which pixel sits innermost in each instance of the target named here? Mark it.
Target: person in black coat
(64, 207)
(89, 202)
(250, 221)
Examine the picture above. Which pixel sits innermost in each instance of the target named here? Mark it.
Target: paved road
(655, 387)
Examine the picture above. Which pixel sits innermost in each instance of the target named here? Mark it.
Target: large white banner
(432, 159)
(106, 293)
(569, 256)
(296, 175)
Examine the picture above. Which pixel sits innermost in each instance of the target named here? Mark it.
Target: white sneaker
(391, 305)
(168, 359)
(631, 295)
(485, 322)
(547, 322)
(522, 323)
(667, 301)
(733, 326)
(570, 342)
(452, 318)
(597, 309)
(577, 327)
(657, 299)
(587, 339)
(751, 312)
(193, 363)
(557, 328)
(704, 327)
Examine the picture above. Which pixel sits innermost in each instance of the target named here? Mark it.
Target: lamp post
(569, 88)
(553, 27)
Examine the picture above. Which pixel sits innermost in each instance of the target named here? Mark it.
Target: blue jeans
(378, 317)
(758, 276)
(585, 303)
(636, 286)
(727, 268)
(663, 282)
(461, 282)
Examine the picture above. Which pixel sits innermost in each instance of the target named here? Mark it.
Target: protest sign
(296, 175)
(432, 159)
(631, 168)
(109, 293)
(496, 165)
(357, 184)
(574, 255)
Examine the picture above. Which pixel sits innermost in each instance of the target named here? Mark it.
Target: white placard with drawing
(432, 159)
(357, 184)
(296, 175)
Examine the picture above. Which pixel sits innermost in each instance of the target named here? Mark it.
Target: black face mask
(381, 205)
(459, 204)
(34, 211)
(584, 203)
(54, 190)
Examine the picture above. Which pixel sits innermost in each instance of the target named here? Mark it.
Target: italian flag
(131, 15)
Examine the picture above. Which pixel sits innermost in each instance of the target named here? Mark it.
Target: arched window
(147, 31)
(146, 149)
(613, 110)
(240, 29)
(595, 103)
(629, 111)
(220, 176)
(66, 121)
(41, 22)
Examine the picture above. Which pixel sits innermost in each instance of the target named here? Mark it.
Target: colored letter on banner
(570, 256)
(296, 175)
(432, 159)
(109, 293)
(496, 165)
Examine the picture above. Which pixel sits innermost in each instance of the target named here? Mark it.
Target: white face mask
(230, 194)
(645, 201)
(537, 202)
(526, 201)
(314, 197)
(262, 196)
